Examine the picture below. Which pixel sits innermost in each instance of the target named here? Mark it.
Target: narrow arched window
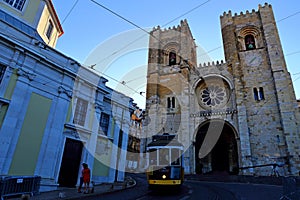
(171, 102)
(261, 93)
(250, 42)
(255, 93)
(172, 58)
(168, 102)
(49, 29)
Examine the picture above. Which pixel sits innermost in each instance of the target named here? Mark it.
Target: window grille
(104, 123)
(80, 112)
(18, 4)
(49, 29)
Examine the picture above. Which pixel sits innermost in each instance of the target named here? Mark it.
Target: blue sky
(94, 35)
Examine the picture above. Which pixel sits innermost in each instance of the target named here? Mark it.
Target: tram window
(175, 156)
(164, 157)
(153, 157)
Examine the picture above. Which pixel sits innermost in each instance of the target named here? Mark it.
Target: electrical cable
(275, 22)
(70, 11)
(114, 79)
(111, 11)
(149, 32)
(189, 11)
(296, 13)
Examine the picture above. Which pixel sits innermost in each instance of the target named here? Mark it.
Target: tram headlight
(164, 176)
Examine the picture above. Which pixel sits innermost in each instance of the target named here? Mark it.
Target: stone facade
(238, 116)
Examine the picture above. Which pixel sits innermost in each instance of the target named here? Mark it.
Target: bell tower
(265, 98)
(172, 52)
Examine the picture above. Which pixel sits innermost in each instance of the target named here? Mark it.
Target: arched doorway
(222, 155)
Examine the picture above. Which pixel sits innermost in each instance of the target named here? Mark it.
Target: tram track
(208, 191)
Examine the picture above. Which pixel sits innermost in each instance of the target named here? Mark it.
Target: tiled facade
(238, 116)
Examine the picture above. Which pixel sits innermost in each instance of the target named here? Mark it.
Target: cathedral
(238, 116)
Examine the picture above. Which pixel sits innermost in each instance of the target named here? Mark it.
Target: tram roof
(164, 140)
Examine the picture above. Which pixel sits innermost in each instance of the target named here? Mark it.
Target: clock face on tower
(253, 59)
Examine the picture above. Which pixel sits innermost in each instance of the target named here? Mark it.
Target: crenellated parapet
(212, 64)
(227, 17)
(215, 67)
(265, 6)
(183, 23)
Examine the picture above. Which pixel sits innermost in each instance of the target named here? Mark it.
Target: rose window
(212, 93)
(213, 96)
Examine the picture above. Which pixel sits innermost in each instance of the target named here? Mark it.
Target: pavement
(129, 182)
(71, 193)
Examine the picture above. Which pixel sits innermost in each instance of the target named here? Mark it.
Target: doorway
(70, 164)
(223, 156)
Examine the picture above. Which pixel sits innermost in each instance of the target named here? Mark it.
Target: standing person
(81, 180)
(86, 174)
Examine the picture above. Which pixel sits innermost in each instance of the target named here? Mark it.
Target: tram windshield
(153, 156)
(165, 156)
(175, 156)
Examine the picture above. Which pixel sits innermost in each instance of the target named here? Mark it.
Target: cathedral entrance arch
(216, 148)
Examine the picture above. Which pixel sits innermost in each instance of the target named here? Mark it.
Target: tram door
(68, 174)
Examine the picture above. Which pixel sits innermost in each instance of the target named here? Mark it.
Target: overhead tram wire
(70, 11)
(114, 79)
(198, 6)
(296, 13)
(191, 10)
(293, 81)
(267, 100)
(111, 11)
(195, 8)
(167, 23)
(293, 53)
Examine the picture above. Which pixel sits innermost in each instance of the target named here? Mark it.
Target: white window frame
(49, 31)
(16, 4)
(2, 71)
(104, 129)
(80, 112)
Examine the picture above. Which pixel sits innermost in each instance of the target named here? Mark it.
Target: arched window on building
(250, 42)
(255, 93)
(172, 58)
(171, 102)
(261, 93)
(258, 94)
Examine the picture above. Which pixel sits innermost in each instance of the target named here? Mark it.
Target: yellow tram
(165, 156)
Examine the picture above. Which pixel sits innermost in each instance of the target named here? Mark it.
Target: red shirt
(86, 174)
